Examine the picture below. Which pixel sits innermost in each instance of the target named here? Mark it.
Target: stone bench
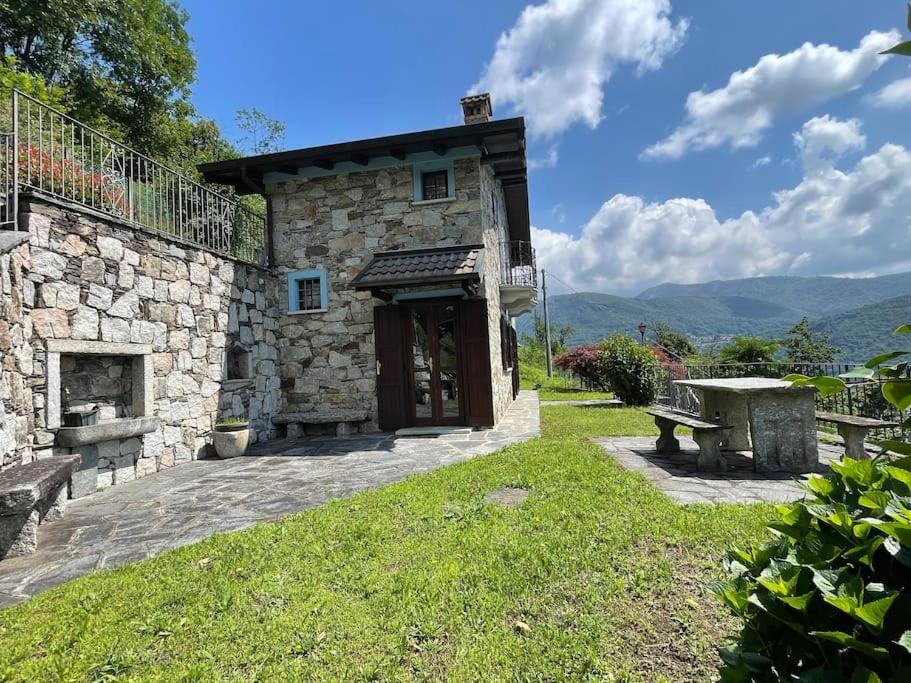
(30, 494)
(346, 421)
(706, 433)
(853, 429)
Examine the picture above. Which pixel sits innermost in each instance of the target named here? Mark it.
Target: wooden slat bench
(853, 429)
(345, 421)
(706, 433)
(30, 494)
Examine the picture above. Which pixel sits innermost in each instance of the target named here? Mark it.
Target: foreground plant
(829, 598)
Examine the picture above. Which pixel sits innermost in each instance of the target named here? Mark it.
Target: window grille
(308, 294)
(435, 185)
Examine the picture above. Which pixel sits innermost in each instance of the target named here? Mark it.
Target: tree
(801, 346)
(261, 133)
(677, 343)
(748, 350)
(583, 361)
(629, 369)
(901, 48)
(558, 336)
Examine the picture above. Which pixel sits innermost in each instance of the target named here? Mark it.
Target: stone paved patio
(678, 478)
(185, 504)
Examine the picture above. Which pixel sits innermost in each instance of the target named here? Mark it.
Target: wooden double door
(433, 364)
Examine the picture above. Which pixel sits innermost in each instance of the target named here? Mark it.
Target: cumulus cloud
(738, 113)
(824, 139)
(896, 94)
(553, 64)
(549, 160)
(833, 221)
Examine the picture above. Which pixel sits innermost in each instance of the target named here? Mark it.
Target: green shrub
(828, 598)
(630, 370)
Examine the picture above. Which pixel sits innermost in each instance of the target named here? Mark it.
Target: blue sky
(725, 191)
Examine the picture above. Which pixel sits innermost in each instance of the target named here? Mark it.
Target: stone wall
(338, 222)
(16, 420)
(92, 278)
(493, 220)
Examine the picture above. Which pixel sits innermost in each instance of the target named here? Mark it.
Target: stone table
(773, 417)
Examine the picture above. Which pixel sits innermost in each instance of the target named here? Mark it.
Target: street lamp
(642, 329)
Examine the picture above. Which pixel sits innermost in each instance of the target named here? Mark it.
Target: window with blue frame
(308, 290)
(434, 180)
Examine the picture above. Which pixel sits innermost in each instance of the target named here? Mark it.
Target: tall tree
(743, 349)
(125, 65)
(677, 343)
(261, 133)
(802, 346)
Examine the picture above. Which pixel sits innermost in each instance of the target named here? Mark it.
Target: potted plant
(231, 437)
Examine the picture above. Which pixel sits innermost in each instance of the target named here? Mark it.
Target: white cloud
(762, 161)
(738, 113)
(553, 64)
(824, 139)
(549, 160)
(833, 221)
(896, 94)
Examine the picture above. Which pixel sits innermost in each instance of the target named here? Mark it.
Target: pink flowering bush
(583, 361)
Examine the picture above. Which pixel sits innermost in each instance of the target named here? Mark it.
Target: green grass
(418, 580)
(571, 394)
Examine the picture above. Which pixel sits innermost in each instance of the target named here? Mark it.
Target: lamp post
(642, 329)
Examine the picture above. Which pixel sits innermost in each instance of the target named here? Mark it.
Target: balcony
(518, 277)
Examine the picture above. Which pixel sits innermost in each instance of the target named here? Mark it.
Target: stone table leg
(783, 431)
(667, 442)
(731, 409)
(710, 457)
(854, 441)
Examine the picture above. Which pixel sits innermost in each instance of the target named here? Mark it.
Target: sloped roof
(421, 266)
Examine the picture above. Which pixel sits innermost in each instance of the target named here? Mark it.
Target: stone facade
(96, 279)
(338, 222)
(16, 421)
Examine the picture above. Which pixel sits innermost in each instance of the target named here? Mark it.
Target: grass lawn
(571, 394)
(418, 580)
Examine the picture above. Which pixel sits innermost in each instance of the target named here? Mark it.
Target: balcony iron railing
(46, 151)
(518, 264)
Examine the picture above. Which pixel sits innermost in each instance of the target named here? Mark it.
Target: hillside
(813, 296)
(867, 330)
(858, 314)
(595, 315)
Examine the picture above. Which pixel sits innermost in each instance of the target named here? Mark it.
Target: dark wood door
(390, 367)
(477, 380)
(433, 363)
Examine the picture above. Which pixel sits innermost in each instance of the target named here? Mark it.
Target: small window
(308, 291)
(434, 185)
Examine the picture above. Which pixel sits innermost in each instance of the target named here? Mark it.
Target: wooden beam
(359, 159)
(397, 154)
(502, 157)
(290, 170)
(440, 150)
(324, 164)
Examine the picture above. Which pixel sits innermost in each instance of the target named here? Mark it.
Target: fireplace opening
(95, 388)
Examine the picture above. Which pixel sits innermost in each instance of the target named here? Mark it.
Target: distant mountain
(867, 330)
(813, 296)
(859, 314)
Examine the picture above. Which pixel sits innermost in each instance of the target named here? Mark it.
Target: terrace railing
(518, 264)
(45, 151)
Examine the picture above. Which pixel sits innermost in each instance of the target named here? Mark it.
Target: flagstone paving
(677, 475)
(175, 507)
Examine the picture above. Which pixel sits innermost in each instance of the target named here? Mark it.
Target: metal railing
(518, 264)
(862, 397)
(48, 152)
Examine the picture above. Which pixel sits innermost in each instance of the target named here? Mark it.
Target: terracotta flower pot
(233, 443)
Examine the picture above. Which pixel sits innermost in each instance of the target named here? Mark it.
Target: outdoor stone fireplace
(100, 402)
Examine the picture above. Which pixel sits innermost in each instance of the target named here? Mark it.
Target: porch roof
(459, 265)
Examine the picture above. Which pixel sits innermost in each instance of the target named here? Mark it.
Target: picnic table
(771, 417)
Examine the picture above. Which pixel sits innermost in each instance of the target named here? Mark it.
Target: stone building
(393, 269)
(406, 259)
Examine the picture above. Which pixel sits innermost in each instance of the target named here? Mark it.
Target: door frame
(436, 408)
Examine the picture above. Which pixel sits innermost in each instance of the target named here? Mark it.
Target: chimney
(476, 108)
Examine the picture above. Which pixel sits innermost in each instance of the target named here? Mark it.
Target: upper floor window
(308, 291)
(434, 185)
(434, 180)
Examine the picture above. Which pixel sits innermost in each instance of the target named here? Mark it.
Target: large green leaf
(849, 641)
(893, 446)
(905, 640)
(898, 393)
(826, 386)
(884, 357)
(903, 329)
(900, 49)
(873, 613)
(863, 675)
(860, 371)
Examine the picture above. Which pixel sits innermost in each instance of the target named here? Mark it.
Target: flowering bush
(629, 369)
(674, 367)
(583, 361)
(45, 169)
